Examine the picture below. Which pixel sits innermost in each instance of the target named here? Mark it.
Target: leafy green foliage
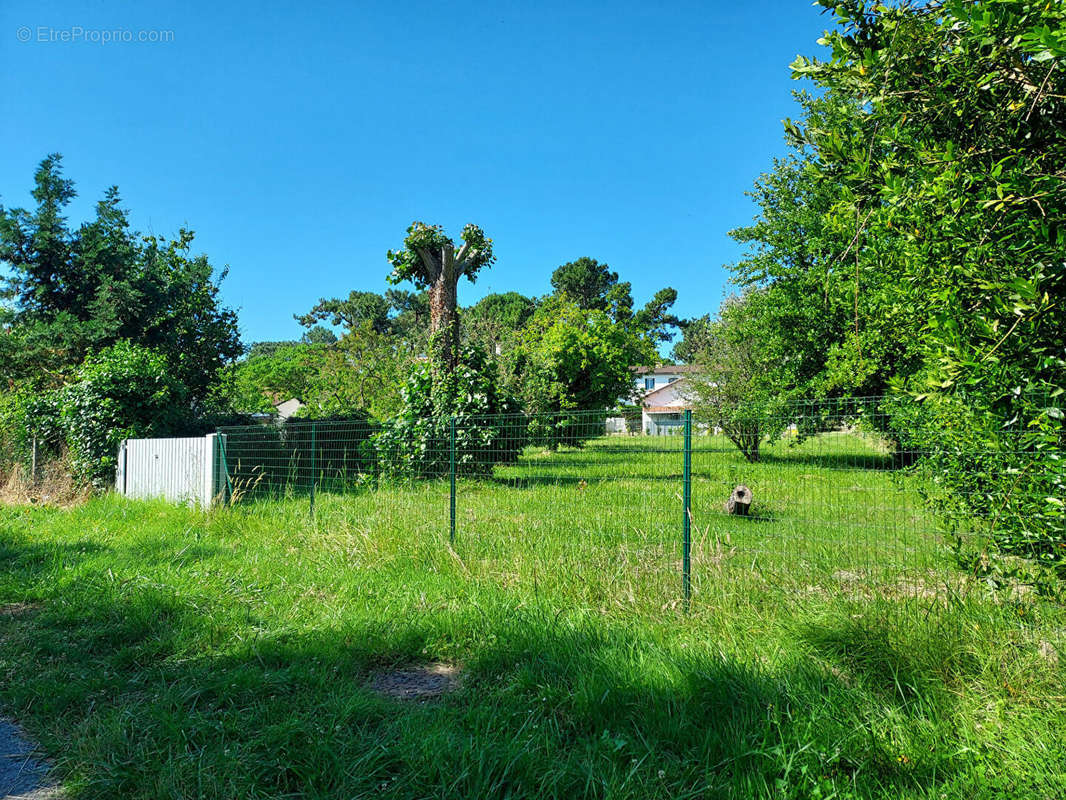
(319, 334)
(569, 358)
(28, 416)
(695, 337)
(588, 283)
(416, 442)
(75, 292)
(359, 308)
(592, 286)
(912, 243)
(738, 391)
(125, 391)
(430, 260)
(495, 320)
(410, 319)
(656, 319)
(427, 250)
(361, 373)
(271, 376)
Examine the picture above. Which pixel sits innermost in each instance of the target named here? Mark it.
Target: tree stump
(739, 502)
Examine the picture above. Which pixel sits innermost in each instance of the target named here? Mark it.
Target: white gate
(179, 470)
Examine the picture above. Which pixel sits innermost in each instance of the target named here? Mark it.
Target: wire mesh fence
(828, 501)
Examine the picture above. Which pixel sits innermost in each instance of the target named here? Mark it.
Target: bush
(124, 391)
(994, 471)
(26, 416)
(566, 428)
(416, 443)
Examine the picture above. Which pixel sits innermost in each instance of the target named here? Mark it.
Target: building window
(649, 383)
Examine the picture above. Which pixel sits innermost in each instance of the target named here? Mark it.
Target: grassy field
(831, 649)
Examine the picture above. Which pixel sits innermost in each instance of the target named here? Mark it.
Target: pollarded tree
(430, 260)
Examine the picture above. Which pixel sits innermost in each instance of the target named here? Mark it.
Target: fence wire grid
(838, 507)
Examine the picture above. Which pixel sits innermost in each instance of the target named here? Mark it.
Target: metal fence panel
(180, 470)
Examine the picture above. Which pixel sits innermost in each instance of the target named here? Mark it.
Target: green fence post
(686, 500)
(228, 491)
(451, 530)
(314, 467)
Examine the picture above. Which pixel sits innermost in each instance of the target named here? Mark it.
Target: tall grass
(831, 649)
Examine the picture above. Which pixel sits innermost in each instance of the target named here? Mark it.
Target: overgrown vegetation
(106, 333)
(912, 244)
(153, 649)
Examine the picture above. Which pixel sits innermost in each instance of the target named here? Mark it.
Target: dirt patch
(420, 682)
(1049, 653)
(18, 609)
(23, 774)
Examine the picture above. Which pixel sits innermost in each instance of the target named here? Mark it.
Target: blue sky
(300, 140)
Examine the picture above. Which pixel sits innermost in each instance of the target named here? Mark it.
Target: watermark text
(77, 34)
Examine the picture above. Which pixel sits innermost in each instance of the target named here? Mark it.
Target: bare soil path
(23, 773)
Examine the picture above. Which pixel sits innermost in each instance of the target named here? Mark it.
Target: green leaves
(426, 249)
(568, 358)
(125, 391)
(77, 291)
(913, 243)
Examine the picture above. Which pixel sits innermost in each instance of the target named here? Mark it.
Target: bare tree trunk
(746, 438)
(444, 318)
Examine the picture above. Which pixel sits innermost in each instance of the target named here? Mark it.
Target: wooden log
(739, 502)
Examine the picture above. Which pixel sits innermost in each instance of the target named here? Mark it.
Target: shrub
(26, 416)
(994, 471)
(276, 458)
(124, 391)
(416, 443)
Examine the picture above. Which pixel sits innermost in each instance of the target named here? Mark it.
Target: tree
(495, 319)
(350, 313)
(319, 334)
(270, 376)
(737, 390)
(410, 319)
(593, 286)
(655, 319)
(587, 282)
(124, 391)
(912, 243)
(38, 246)
(362, 374)
(257, 349)
(429, 259)
(75, 292)
(695, 338)
(416, 442)
(570, 358)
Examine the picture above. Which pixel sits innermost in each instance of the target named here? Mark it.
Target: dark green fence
(828, 497)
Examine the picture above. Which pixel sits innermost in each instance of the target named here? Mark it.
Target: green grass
(831, 648)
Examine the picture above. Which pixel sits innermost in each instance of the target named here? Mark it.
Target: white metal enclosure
(179, 470)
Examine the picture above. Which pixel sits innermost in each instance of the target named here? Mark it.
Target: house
(288, 408)
(663, 409)
(647, 379)
(660, 392)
